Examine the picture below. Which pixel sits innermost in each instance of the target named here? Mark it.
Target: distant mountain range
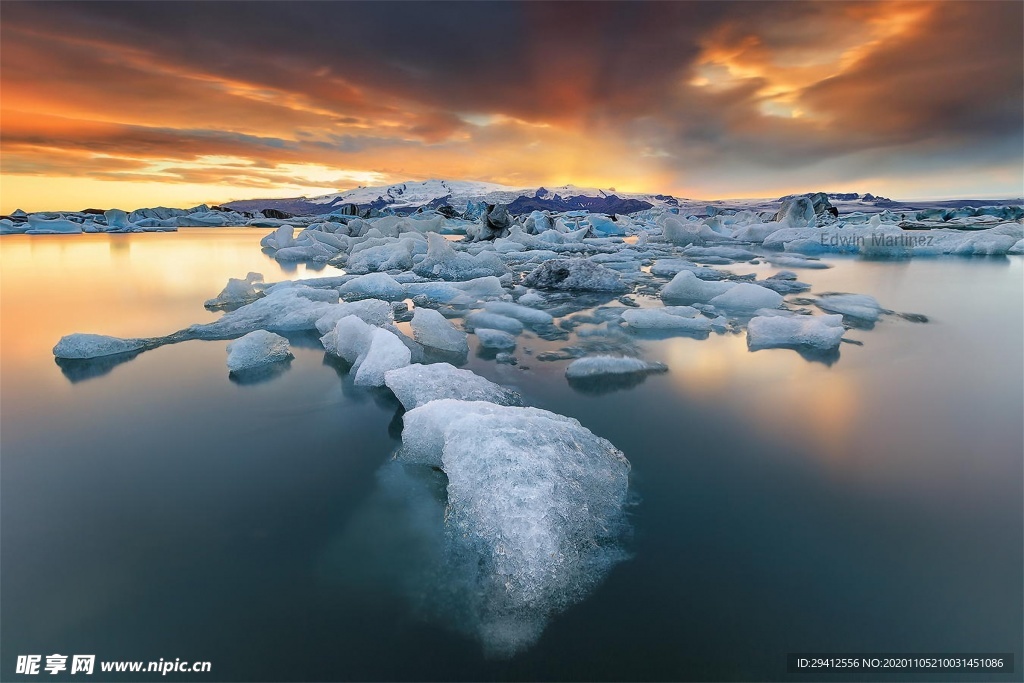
(431, 194)
(409, 197)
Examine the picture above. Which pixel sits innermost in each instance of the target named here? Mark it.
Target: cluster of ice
(535, 512)
(597, 366)
(257, 349)
(822, 332)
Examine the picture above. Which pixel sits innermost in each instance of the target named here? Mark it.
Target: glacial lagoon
(154, 506)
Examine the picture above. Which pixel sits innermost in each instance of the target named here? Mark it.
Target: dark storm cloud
(693, 88)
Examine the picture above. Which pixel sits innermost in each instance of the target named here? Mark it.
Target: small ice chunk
(746, 296)
(386, 352)
(430, 328)
(256, 349)
(819, 332)
(574, 274)
(493, 321)
(665, 319)
(373, 286)
(595, 366)
(534, 298)
(530, 316)
(495, 339)
(84, 345)
(860, 306)
(686, 286)
(237, 292)
(348, 339)
(416, 385)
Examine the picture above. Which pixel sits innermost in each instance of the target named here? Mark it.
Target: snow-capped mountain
(409, 196)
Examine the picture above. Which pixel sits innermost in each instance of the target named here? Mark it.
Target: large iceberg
(535, 516)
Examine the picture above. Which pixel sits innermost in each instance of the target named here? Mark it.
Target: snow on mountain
(409, 196)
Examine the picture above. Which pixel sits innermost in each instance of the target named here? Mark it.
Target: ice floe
(821, 332)
(256, 349)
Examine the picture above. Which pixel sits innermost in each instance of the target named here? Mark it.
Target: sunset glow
(137, 104)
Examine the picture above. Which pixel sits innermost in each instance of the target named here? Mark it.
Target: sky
(107, 104)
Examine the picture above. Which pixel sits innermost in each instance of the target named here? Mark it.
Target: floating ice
(687, 232)
(285, 309)
(574, 274)
(860, 306)
(279, 239)
(493, 321)
(416, 385)
(256, 349)
(686, 286)
(237, 292)
(596, 366)
(348, 338)
(443, 262)
(495, 339)
(371, 311)
(458, 293)
(386, 352)
(84, 345)
(373, 285)
(818, 332)
(746, 296)
(430, 328)
(682, 318)
(535, 512)
(56, 226)
(669, 268)
(530, 316)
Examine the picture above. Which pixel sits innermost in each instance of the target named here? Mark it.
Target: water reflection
(81, 369)
(402, 539)
(261, 374)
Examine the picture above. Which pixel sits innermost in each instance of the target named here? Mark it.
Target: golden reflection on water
(782, 392)
(125, 285)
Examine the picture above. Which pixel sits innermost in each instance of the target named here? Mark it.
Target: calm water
(160, 510)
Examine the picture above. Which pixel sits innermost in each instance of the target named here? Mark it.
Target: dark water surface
(157, 509)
